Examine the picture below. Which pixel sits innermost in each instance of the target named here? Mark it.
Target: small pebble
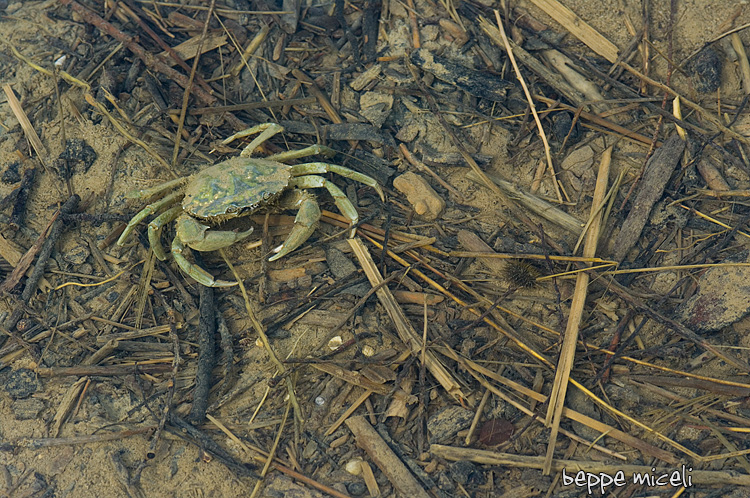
(11, 173)
(27, 409)
(448, 422)
(423, 198)
(354, 467)
(21, 383)
(706, 70)
(356, 488)
(76, 254)
(335, 342)
(466, 474)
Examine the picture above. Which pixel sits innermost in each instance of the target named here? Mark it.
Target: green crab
(202, 202)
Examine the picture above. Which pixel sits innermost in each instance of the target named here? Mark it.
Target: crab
(201, 203)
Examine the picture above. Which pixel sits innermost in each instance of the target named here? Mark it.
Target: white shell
(335, 342)
(354, 467)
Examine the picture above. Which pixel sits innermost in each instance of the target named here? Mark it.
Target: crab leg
(305, 222)
(152, 208)
(196, 272)
(148, 192)
(345, 206)
(157, 225)
(312, 150)
(267, 131)
(320, 168)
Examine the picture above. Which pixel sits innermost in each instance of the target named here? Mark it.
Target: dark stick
(44, 254)
(19, 207)
(206, 355)
(49, 245)
(185, 430)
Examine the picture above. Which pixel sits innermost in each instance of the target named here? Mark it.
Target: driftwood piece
(386, 460)
(478, 83)
(658, 170)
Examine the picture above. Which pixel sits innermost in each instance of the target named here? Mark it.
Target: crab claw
(196, 272)
(304, 223)
(198, 236)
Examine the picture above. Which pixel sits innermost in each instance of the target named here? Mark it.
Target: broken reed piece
(739, 48)
(533, 203)
(23, 120)
(570, 339)
(453, 453)
(579, 28)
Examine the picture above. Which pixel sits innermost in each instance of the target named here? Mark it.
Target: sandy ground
(107, 469)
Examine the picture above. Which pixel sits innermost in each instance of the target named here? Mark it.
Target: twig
(404, 328)
(101, 370)
(530, 101)
(189, 87)
(51, 442)
(689, 103)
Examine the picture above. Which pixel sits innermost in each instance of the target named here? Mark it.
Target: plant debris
(561, 200)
